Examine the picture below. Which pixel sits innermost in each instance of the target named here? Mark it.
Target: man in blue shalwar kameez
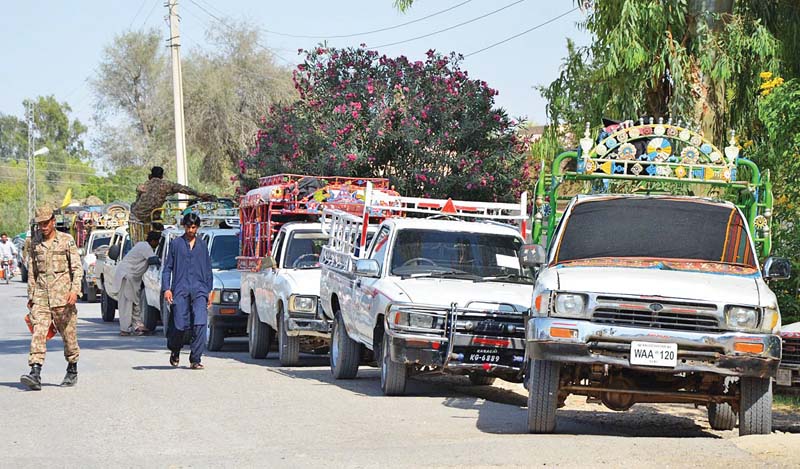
(187, 282)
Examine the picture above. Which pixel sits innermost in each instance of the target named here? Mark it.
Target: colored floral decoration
(659, 149)
(760, 222)
(680, 172)
(690, 155)
(627, 151)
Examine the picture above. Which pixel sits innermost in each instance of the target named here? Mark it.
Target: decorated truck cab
(650, 288)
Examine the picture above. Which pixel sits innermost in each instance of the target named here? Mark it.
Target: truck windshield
(655, 229)
(100, 240)
(477, 255)
(224, 250)
(303, 250)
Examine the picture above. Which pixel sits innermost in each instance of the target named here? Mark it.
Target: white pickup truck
(97, 239)
(441, 295)
(282, 297)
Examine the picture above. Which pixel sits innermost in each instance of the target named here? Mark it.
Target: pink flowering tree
(425, 125)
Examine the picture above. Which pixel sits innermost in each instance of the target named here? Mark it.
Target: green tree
(425, 125)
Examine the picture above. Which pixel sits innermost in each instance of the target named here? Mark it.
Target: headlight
(418, 320)
(570, 305)
(230, 297)
(303, 304)
(741, 318)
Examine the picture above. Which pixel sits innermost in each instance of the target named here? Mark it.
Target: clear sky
(53, 46)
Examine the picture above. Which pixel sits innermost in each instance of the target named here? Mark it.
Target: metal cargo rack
(656, 158)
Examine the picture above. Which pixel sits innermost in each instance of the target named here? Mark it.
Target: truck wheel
(480, 380)
(216, 337)
(543, 379)
(259, 335)
(288, 347)
(721, 416)
(107, 308)
(755, 406)
(393, 375)
(149, 314)
(345, 352)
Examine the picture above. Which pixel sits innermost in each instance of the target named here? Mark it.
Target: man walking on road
(187, 282)
(128, 279)
(54, 283)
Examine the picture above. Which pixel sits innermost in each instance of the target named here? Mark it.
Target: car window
(277, 248)
(303, 249)
(224, 250)
(380, 246)
(100, 239)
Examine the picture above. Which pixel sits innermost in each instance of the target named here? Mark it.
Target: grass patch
(786, 402)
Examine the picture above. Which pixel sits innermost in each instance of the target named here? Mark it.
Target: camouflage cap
(43, 213)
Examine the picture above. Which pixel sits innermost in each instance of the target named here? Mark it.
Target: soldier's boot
(33, 379)
(71, 378)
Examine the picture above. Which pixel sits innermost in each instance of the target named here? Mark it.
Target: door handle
(358, 282)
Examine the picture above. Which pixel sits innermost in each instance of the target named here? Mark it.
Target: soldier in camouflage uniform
(152, 195)
(54, 283)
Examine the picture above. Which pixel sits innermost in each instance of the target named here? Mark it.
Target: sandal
(197, 366)
(125, 333)
(175, 358)
(142, 331)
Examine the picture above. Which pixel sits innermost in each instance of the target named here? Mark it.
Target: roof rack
(657, 158)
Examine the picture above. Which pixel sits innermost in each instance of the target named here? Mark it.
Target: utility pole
(177, 91)
(31, 166)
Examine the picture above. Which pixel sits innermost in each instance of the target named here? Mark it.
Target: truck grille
(694, 317)
(791, 351)
(491, 324)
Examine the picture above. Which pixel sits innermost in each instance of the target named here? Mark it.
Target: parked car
(433, 294)
(789, 371)
(282, 298)
(97, 239)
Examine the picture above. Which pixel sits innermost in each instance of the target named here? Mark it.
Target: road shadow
(152, 367)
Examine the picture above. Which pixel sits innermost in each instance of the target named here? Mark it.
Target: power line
(152, 9)
(451, 27)
(141, 5)
(224, 23)
(364, 33)
(522, 33)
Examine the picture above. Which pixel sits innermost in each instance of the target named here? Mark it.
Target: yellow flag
(67, 198)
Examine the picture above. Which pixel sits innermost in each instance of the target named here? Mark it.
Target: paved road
(132, 409)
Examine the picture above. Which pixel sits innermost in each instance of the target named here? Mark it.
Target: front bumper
(305, 325)
(605, 344)
(228, 316)
(424, 350)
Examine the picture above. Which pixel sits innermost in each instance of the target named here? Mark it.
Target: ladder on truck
(347, 232)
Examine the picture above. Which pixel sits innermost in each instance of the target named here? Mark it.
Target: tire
(149, 314)
(542, 396)
(345, 352)
(721, 416)
(107, 308)
(481, 380)
(393, 375)
(755, 406)
(216, 337)
(288, 347)
(259, 335)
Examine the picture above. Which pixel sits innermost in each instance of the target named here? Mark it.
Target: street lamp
(32, 176)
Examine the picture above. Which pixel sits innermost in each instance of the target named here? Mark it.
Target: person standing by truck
(187, 282)
(54, 283)
(128, 279)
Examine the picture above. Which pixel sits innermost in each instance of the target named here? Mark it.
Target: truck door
(365, 293)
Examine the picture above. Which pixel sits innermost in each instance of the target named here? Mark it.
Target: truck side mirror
(153, 261)
(777, 268)
(268, 262)
(368, 268)
(533, 255)
(113, 252)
